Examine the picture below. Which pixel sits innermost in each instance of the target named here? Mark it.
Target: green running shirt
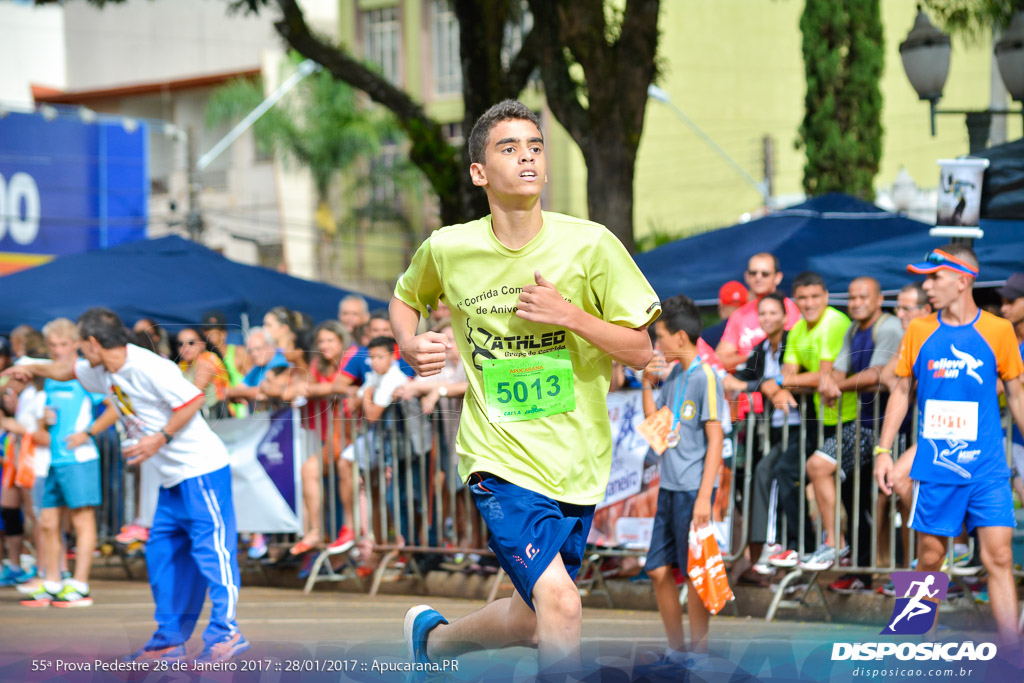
(566, 456)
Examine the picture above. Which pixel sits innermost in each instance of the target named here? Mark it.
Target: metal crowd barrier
(755, 430)
(405, 504)
(399, 501)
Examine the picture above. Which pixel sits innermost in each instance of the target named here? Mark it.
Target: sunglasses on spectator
(189, 342)
(762, 273)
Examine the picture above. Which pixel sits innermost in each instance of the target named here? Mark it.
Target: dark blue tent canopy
(171, 280)
(838, 236)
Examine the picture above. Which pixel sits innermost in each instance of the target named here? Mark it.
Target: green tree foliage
(842, 130)
(973, 19)
(320, 128)
(596, 59)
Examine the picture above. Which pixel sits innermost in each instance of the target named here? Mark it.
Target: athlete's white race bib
(951, 420)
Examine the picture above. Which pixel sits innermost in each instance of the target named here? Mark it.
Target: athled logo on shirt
(915, 614)
(950, 368)
(485, 341)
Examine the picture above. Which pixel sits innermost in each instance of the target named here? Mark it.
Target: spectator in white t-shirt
(191, 548)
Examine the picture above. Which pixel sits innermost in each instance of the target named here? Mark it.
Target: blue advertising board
(68, 185)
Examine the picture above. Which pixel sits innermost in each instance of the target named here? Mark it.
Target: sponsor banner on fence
(633, 485)
(264, 451)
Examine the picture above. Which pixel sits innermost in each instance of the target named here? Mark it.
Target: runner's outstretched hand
(541, 303)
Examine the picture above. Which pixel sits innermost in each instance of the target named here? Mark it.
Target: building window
(444, 33)
(383, 38)
(453, 132)
(382, 176)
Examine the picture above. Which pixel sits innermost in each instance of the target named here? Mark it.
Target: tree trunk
(615, 76)
(610, 173)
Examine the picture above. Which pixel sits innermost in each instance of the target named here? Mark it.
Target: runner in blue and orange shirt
(960, 472)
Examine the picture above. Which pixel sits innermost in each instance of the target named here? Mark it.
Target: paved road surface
(352, 637)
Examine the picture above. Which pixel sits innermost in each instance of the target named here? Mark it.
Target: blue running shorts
(941, 509)
(528, 529)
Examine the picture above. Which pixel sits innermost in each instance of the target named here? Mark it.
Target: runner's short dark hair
(105, 326)
(507, 110)
(681, 313)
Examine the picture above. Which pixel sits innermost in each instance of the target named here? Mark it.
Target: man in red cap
(731, 296)
(957, 356)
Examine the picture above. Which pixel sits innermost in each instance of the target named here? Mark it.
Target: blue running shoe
(419, 622)
(172, 653)
(224, 650)
(10, 575)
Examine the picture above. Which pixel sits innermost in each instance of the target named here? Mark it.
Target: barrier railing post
(426, 443)
(802, 457)
(837, 531)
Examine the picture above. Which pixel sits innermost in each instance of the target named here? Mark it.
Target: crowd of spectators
(340, 374)
(348, 371)
(780, 351)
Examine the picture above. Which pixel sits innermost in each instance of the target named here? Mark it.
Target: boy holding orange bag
(696, 404)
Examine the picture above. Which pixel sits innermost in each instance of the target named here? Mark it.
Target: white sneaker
(763, 566)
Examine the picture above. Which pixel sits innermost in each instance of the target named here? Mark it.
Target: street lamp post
(925, 54)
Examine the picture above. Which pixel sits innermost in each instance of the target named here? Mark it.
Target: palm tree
(322, 128)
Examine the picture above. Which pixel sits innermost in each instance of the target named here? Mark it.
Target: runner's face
(380, 359)
(515, 164)
(865, 300)
(61, 348)
(811, 300)
(943, 288)
(771, 315)
(329, 345)
(761, 276)
(907, 308)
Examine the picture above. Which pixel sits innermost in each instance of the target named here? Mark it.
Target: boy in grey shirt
(689, 469)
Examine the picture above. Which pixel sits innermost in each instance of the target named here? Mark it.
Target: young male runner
(191, 546)
(544, 303)
(960, 472)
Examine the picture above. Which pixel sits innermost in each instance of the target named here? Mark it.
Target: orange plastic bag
(25, 475)
(706, 570)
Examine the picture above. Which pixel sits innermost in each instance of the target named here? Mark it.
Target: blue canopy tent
(170, 280)
(836, 235)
